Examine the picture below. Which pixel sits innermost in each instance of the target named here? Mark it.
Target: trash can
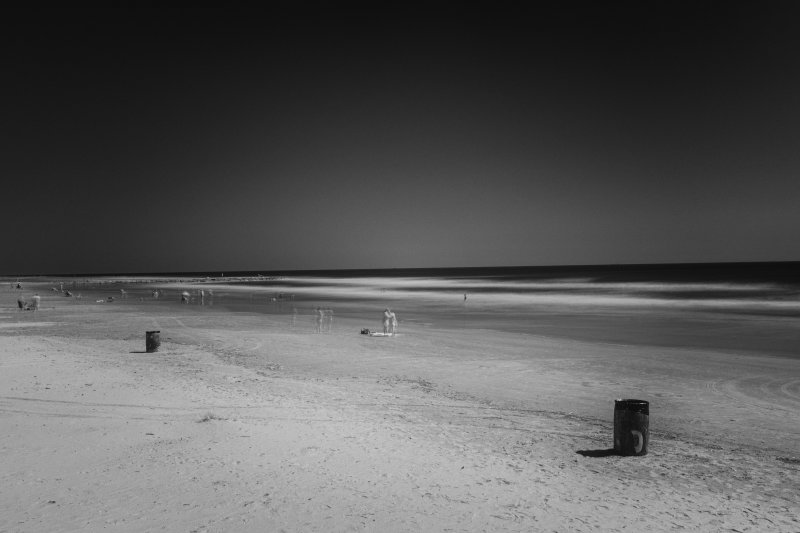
(153, 341)
(631, 427)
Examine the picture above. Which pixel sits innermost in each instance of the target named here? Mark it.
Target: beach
(245, 419)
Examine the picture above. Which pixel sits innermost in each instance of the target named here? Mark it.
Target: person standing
(320, 317)
(387, 320)
(393, 318)
(330, 319)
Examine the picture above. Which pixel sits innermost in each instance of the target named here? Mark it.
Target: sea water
(754, 308)
(747, 307)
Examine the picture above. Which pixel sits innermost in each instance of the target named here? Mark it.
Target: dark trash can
(631, 427)
(153, 341)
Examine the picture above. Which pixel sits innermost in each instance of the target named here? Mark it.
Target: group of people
(187, 297)
(324, 319)
(389, 322)
(33, 305)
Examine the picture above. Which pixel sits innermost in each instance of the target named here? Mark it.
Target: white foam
(494, 293)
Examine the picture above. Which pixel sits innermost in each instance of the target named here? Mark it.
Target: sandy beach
(252, 422)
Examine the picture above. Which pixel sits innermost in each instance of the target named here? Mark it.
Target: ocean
(744, 307)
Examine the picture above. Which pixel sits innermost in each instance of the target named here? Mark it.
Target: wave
(567, 293)
(461, 284)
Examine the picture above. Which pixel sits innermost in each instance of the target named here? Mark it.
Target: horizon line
(240, 273)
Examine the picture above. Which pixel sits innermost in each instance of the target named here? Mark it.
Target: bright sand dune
(242, 422)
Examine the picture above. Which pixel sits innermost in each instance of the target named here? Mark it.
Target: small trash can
(631, 427)
(153, 341)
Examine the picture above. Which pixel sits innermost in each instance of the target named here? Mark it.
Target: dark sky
(383, 135)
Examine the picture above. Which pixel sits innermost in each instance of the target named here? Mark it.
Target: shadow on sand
(598, 453)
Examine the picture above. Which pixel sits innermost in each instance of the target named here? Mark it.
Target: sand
(242, 422)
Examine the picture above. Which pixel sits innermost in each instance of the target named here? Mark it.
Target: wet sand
(243, 421)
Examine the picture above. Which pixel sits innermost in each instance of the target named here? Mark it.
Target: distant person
(393, 318)
(329, 312)
(185, 297)
(387, 320)
(36, 301)
(21, 304)
(320, 317)
(294, 316)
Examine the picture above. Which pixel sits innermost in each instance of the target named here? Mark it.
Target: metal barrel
(631, 427)
(152, 341)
